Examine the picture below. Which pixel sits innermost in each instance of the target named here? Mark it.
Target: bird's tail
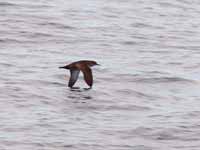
(64, 67)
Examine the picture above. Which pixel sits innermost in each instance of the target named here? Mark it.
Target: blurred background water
(146, 91)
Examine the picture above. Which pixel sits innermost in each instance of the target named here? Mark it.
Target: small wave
(111, 16)
(46, 83)
(132, 92)
(129, 43)
(10, 40)
(127, 108)
(6, 4)
(138, 94)
(171, 5)
(37, 34)
(6, 64)
(58, 25)
(165, 80)
(145, 25)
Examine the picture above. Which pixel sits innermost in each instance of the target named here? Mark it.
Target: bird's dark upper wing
(87, 72)
(73, 77)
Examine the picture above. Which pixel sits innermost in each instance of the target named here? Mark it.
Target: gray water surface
(146, 91)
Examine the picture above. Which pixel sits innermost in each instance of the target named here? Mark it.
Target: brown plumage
(76, 67)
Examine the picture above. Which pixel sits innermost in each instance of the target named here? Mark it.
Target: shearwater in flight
(76, 67)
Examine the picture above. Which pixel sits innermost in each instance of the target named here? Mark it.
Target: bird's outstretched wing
(73, 77)
(87, 72)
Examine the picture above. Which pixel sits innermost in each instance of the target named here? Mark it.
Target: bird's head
(93, 63)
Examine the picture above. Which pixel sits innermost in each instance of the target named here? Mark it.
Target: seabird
(76, 67)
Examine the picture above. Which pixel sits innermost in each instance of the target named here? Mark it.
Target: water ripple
(145, 94)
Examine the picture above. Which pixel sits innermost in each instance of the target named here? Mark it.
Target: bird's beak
(98, 64)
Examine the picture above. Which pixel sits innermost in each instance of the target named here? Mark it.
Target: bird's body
(76, 67)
